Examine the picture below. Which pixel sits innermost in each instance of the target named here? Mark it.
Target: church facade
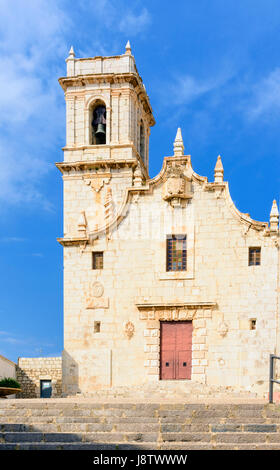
(164, 278)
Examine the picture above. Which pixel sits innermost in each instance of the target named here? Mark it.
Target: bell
(100, 131)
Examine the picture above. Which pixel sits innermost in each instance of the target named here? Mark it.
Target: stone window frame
(161, 261)
(94, 256)
(90, 105)
(152, 315)
(176, 237)
(254, 256)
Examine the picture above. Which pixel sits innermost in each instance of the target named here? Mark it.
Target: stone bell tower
(106, 104)
(108, 120)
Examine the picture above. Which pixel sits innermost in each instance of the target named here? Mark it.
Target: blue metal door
(46, 389)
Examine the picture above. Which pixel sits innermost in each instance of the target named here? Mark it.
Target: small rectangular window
(176, 253)
(253, 324)
(97, 260)
(254, 256)
(96, 327)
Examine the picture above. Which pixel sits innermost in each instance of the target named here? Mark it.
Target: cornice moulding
(72, 241)
(160, 305)
(87, 165)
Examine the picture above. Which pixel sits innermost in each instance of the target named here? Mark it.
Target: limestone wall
(31, 370)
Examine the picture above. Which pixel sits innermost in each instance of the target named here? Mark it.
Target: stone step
(132, 408)
(135, 446)
(182, 418)
(45, 404)
(105, 437)
(264, 437)
(153, 426)
(37, 422)
(79, 446)
(81, 427)
(140, 427)
(221, 446)
(179, 412)
(139, 446)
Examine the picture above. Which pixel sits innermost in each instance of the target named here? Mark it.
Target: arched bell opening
(98, 124)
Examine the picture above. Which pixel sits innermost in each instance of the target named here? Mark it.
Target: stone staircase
(84, 424)
(172, 391)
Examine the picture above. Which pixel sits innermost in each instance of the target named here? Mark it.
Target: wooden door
(175, 350)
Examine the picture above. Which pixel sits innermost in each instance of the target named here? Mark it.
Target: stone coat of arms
(177, 186)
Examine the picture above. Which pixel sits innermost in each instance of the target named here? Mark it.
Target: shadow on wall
(27, 385)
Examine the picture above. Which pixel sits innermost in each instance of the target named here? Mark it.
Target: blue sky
(209, 67)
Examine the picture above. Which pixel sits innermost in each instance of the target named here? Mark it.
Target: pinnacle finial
(219, 171)
(128, 48)
(274, 209)
(71, 53)
(274, 217)
(178, 143)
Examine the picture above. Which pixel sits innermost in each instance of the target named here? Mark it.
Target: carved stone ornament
(177, 187)
(129, 329)
(97, 182)
(168, 315)
(222, 329)
(94, 296)
(175, 184)
(97, 289)
(137, 176)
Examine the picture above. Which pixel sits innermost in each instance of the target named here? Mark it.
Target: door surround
(153, 313)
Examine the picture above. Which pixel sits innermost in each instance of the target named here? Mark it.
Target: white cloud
(12, 240)
(187, 88)
(133, 24)
(183, 90)
(265, 100)
(31, 45)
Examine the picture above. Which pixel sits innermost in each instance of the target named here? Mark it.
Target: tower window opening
(142, 141)
(99, 125)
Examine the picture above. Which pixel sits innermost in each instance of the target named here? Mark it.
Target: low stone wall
(30, 371)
